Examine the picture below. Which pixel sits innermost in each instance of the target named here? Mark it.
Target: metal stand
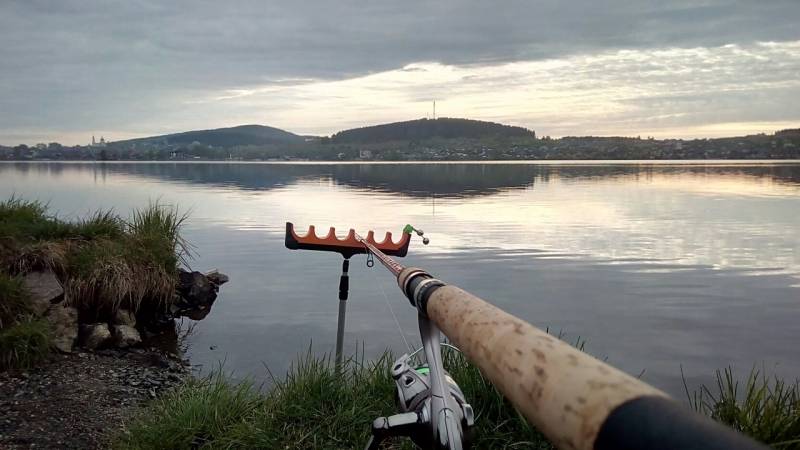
(344, 285)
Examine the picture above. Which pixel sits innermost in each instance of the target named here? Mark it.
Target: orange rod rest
(348, 246)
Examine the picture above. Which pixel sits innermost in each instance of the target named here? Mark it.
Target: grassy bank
(104, 263)
(313, 407)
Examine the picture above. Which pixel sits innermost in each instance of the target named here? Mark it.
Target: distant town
(418, 140)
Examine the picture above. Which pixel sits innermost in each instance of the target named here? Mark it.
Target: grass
(104, 262)
(767, 409)
(13, 300)
(23, 340)
(313, 407)
(24, 343)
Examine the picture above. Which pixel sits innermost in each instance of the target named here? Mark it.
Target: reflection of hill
(457, 180)
(445, 180)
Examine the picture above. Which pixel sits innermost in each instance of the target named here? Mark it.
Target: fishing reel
(414, 398)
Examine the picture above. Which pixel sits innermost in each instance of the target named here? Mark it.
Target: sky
(133, 68)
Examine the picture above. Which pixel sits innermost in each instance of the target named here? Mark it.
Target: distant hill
(224, 137)
(429, 128)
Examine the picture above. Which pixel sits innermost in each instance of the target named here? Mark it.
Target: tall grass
(13, 300)
(314, 406)
(104, 262)
(766, 409)
(24, 343)
(23, 340)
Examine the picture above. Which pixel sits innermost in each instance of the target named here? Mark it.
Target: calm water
(656, 266)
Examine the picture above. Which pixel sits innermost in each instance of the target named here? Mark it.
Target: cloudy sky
(70, 69)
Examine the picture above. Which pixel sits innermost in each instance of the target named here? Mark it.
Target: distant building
(178, 154)
(102, 142)
(365, 154)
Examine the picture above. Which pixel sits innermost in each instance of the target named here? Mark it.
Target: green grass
(24, 343)
(767, 409)
(13, 300)
(23, 340)
(314, 406)
(104, 261)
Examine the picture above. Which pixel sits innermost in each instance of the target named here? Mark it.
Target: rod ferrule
(423, 291)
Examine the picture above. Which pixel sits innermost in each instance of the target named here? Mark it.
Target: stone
(126, 336)
(96, 335)
(44, 289)
(195, 288)
(64, 326)
(217, 278)
(124, 317)
(196, 294)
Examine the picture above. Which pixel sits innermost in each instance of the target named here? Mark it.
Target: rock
(44, 288)
(126, 336)
(124, 317)
(217, 278)
(64, 323)
(198, 313)
(195, 288)
(95, 335)
(196, 294)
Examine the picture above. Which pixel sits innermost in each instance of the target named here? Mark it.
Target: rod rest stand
(348, 246)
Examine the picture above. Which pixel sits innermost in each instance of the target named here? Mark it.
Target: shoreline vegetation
(112, 273)
(80, 303)
(315, 406)
(442, 139)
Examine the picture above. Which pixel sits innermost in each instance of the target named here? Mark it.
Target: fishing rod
(577, 401)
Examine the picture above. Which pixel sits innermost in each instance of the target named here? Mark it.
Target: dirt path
(77, 401)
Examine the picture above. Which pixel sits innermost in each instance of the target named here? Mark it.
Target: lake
(658, 266)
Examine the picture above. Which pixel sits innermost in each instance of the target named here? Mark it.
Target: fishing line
(389, 305)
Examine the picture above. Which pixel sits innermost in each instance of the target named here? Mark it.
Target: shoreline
(532, 162)
(83, 400)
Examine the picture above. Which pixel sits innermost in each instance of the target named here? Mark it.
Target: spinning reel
(414, 398)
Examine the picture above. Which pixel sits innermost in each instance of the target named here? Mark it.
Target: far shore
(541, 162)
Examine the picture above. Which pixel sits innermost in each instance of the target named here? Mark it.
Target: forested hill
(429, 128)
(223, 137)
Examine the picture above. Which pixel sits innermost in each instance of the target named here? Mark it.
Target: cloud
(135, 67)
(664, 92)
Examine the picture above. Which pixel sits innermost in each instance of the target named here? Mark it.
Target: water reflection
(656, 265)
(422, 180)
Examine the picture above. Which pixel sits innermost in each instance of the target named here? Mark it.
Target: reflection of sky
(721, 221)
(669, 250)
